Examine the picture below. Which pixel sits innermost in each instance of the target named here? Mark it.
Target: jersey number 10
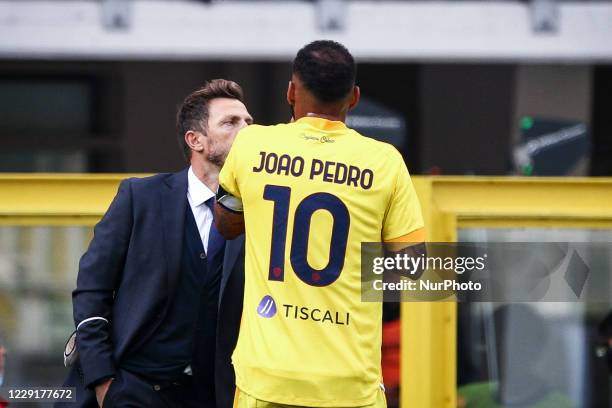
(281, 195)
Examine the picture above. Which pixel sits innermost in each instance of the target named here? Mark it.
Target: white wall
(375, 30)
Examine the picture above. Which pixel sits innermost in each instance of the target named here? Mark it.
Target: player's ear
(356, 95)
(291, 93)
(192, 139)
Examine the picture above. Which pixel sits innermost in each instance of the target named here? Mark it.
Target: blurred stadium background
(461, 88)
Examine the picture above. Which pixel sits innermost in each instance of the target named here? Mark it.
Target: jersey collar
(322, 124)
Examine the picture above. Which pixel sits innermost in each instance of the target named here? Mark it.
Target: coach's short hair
(327, 69)
(193, 112)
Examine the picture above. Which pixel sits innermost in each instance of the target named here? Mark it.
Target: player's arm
(411, 245)
(403, 229)
(229, 216)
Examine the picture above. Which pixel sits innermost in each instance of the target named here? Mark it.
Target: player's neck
(335, 118)
(333, 114)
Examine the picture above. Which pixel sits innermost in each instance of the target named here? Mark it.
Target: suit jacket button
(156, 387)
(202, 255)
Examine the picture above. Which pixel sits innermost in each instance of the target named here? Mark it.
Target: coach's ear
(192, 138)
(291, 93)
(355, 97)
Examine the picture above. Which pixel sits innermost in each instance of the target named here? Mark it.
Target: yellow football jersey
(312, 192)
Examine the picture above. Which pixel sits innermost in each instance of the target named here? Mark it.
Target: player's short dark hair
(193, 112)
(327, 69)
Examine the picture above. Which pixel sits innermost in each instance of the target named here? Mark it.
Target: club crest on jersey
(267, 307)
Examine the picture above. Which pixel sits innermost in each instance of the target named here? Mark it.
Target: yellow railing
(429, 330)
(429, 333)
(56, 199)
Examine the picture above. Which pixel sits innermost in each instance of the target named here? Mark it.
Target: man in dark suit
(159, 292)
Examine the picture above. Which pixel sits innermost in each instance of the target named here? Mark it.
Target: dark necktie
(215, 239)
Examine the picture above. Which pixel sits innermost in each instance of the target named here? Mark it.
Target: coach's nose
(245, 122)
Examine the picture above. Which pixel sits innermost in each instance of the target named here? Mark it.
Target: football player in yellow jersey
(311, 192)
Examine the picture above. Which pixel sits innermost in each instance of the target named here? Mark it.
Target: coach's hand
(101, 390)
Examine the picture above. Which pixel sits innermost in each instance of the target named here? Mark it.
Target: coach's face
(226, 117)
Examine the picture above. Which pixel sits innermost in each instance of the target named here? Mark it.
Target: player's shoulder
(263, 129)
(377, 147)
(252, 129)
(259, 131)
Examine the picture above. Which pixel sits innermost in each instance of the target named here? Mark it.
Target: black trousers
(131, 391)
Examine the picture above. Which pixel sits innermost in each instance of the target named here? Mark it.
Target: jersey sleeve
(228, 177)
(403, 220)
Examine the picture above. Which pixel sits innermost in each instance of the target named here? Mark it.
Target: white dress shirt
(197, 194)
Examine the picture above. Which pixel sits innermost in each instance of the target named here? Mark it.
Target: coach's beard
(217, 159)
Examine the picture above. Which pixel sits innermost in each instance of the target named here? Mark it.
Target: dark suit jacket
(228, 325)
(129, 275)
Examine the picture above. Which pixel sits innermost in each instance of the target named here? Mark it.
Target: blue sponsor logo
(267, 307)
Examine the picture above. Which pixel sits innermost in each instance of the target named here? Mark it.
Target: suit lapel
(173, 205)
(232, 251)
